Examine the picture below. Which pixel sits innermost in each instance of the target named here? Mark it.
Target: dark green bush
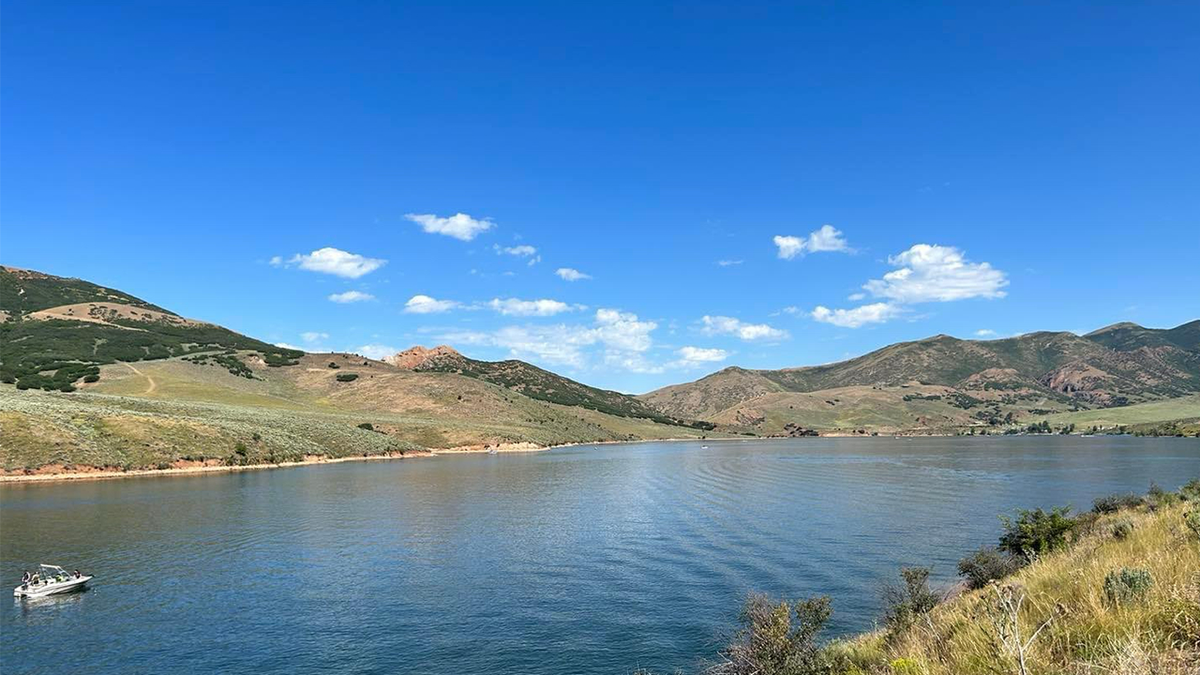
(1126, 585)
(1114, 503)
(91, 378)
(1036, 532)
(347, 377)
(985, 565)
(334, 365)
(367, 425)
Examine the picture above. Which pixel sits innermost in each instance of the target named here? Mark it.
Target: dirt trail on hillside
(151, 385)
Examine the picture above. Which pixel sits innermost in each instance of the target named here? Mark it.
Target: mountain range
(96, 377)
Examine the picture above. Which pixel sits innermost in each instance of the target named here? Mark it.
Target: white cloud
(985, 332)
(423, 304)
(878, 312)
(376, 351)
(276, 261)
(855, 297)
(517, 307)
(313, 336)
(623, 337)
(727, 325)
(729, 263)
(570, 274)
(460, 225)
(285, 345)
(702, 355)
(351, 296)
(931, 273)
(789, 246)
(828, 238)
(927, 273)
(330, 260)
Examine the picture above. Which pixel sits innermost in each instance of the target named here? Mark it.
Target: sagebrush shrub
(1126, 585)
(985, 565)
(1122, 528)
(1114, 503)
(1192, 519)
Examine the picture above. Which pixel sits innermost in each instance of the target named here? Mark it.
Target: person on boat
(77, 574)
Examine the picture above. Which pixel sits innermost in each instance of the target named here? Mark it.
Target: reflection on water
(590, 560)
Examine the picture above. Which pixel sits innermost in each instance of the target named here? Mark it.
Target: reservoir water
(595, 559)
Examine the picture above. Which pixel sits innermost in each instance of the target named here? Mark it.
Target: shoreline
(102, 473)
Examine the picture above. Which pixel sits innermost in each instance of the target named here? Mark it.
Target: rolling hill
(99, 378)
(946, 383)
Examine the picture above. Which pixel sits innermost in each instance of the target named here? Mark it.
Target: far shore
(57, 472)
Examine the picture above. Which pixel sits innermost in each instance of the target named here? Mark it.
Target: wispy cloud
(570, 274)
(334, 261)
(376, 351)
(729, 263)
(351, 296)
(985, 332)
(314, 336)
(827, 238)
(518, 307)
(621, 337)
(727, 325)
(460, 225)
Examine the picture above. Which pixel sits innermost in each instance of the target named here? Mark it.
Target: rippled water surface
(580, 560)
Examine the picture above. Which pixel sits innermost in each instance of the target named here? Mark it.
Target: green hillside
(42, 348)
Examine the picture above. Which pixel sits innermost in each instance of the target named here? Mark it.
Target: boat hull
(43, 590)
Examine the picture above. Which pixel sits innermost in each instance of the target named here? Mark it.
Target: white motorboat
(51, 580)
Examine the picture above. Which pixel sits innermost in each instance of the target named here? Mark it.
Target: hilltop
(948, 383)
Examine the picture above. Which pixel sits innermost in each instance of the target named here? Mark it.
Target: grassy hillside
(156, 414)
(1114, 590)
(58, 331)
(1068, 610)
(537, 383)
(1185, 411)
(1027, 377)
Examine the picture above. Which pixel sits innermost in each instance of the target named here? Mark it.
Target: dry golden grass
(1083, 633)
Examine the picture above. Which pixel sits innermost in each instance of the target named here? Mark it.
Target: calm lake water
(580, 560)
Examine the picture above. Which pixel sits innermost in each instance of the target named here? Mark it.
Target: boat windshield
(52, 572)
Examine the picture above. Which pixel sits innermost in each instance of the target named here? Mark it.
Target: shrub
(1036, 532)
(777, 638)
(1191, 490)
(1127, 585)
(1122, 528)
(334, 365)
(347, 377)
(367, 425)
(985, 565)
(908, 601)
(91, 378)
(1192, 519)
(1114, 503)
(1159, 498)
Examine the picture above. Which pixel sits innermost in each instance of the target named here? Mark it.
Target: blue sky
(867, 172)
